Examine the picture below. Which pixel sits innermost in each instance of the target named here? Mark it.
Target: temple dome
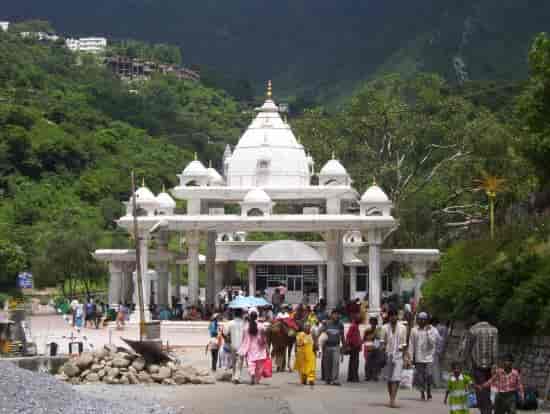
(255, 196)
(195, 168)
(268, 153)
(374, 194)
(333, 167)
(145, 196)
(286, 251)
(165, 201)
(214, 176)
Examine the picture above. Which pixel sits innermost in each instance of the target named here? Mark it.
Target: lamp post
(138, 262)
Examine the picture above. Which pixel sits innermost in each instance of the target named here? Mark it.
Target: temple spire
(269, 89)
(143, 181)
(195, 156)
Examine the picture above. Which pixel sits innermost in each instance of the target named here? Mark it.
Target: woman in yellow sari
(305, 356)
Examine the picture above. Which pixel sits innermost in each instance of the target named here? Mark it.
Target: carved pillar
(419, 269)
(352, 281)
(115, 283)
(211, 268)
(193, 242)
(251, 280)
(219, 277)
(321, 280)
(332, 269)
(374, 240)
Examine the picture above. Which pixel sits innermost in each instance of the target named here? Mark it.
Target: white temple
(266, 186)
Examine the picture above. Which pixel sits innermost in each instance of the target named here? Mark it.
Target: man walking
(394, 341)
(422, 348)
(480, 350)
(334, 330)
(234, 337)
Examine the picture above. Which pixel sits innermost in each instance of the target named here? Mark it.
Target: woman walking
(254, 348)
(305, 356)
(353, 343)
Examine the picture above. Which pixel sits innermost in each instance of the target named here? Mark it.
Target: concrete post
(321, 280)
(332, 269)
(211, 268)
(340, 263)
(219, 277)
(375, 278)
(251, 280)
(163, 276)
(193, 242)
(177, 287)
(115, 284)
(352, 281)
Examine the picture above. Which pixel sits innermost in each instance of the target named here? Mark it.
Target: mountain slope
(319, 48)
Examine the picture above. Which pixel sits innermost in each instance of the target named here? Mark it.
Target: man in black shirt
(334, 329)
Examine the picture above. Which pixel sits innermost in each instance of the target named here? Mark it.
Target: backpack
(530, 401)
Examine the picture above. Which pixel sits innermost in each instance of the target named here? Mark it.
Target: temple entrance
(300, 281)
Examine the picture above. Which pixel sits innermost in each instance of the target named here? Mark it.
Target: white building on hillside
(267, 187)
(87, 44)
(43, 36)
(4, 26)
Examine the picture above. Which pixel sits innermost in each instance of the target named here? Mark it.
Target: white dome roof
(214, 176)
(256, 195)
(268, 138)
(374, 194)
(145, 196)
(165, 201)
(333, 167)
(195, 168)
(286, 251)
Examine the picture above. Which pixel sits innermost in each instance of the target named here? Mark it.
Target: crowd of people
(390, 348)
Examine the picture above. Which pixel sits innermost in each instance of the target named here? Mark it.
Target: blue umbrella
(242, 302)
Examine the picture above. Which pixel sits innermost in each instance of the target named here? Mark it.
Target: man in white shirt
(234, 336)
(394, 341)
(422, 347)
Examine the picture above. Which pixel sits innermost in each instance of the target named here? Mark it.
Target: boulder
(113, 372)
(138, 364)
(92, 377)
(224, 376)
(144, 377)
(180, 378)
(100, 354)
(121, 362)
(196, 380)
(109, 364)
(84, 361)
(110, 349)
(165, 372)
(132, 370)
(132, 379)
(62, 377)
(188, 370)
(168, 381)
(124, 380)
(209, 379)
(84, 373)
(74, 380)
(153, 369)
(203, 372)
(111, 380)
(95, 367)
(171, 365)
(70, 369)
(101, 373)
(156, 377)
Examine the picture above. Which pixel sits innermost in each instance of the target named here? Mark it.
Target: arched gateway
(268, 167)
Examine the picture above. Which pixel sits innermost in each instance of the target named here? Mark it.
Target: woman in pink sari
(254, 348)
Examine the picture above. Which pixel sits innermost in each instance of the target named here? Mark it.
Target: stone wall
(532, 356)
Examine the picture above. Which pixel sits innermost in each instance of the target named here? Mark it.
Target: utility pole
(138, 262)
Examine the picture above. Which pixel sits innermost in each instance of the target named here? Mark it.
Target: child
(457, 390)
(507, 382)
(214, 347)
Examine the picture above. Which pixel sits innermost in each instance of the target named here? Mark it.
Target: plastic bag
(268, 368)
(407, 379)
(472, 400)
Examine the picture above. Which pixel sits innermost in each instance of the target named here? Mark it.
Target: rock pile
(121, 366)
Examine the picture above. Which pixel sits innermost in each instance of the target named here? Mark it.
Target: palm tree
(491, 185)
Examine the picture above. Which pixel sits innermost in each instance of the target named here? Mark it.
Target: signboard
(24, 280)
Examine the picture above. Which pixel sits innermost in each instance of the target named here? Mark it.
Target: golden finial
(195, 156)
(269, 89)
(374, 180)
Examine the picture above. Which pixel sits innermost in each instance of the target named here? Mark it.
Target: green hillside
(317, 50)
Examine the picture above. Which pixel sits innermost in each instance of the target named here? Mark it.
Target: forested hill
(70, 133)
(317, 48)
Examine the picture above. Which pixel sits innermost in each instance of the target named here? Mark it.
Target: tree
(12, 261)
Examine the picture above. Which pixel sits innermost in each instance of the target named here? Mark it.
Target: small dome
(333, 167)
(214, 177)
(286, 251)
(195, 168)
(374, 194)
(145, 196)
(165, 201)
(257, 195)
